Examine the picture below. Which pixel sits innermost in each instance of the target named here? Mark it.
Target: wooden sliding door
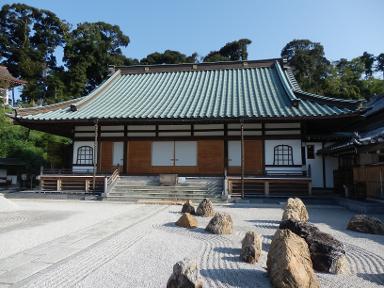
(253, 157)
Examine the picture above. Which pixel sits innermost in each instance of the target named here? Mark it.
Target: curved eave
(196, 119)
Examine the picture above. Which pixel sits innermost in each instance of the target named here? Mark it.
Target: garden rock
(185, 275)
(188, 208)
(221, 223)
(251, 247)
(366, 224)
(327, 253)
(187, 221)
(205, 208)
(289, 263)
(295, 209)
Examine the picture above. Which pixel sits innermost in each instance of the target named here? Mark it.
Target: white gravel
(7, 205)
(142, 244)
(40, 221)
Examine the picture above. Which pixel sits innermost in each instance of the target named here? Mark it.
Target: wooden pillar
(94, 155)
(266, 188)
(58, 184)
(125, 152)
(310, 188)
(87, 185)
(324, 168)
(242, 159)
(225, 149)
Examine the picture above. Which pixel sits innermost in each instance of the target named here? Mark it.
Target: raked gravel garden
(70, 243)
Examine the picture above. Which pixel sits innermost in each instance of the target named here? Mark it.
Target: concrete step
(135, 199)
(193, 192)
(154, 194)
(134, 188)
(123, 189)
(148, 187)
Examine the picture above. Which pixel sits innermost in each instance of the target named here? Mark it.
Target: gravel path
(137, 245)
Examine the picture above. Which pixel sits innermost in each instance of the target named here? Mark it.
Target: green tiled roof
(226, 90)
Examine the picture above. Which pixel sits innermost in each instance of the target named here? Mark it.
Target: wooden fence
(371, 178)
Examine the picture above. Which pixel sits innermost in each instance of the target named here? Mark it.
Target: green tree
(29, 38)
(308, 62)
(232, 51)
(91, 47)
(368, 60)
(380, 63)
(344, 80)
(34, 148)
(168, 57)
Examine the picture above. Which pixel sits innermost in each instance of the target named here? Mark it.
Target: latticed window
(283, 155)
(85, 155)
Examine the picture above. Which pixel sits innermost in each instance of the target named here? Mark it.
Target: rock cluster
(187, 221)
(295, 209)
(221, 223)
(366, 224)
(289, 263)
(251, 247)
(327, 253)
(205, 208)
(185, 275)
(188, 208)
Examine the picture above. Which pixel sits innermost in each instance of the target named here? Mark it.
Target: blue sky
(346, 28)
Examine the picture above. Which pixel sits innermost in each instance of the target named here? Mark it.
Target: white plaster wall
(296, 150)
(81, 169)
(316, 165)
(296, 154)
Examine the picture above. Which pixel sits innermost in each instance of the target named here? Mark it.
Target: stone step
(114, 194)
(135, 188)
(124, 189)
(161, 187)
(135, 199)
(162, 197)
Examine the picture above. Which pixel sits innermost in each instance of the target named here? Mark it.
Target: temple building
(243, 119)
(7, 83)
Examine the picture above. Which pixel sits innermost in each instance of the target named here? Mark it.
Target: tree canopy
(342, 78)
(168, 57)
(232, 51)
(99, 45)
(29, 38)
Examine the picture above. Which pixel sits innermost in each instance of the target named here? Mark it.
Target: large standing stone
(289, 263)
(221, 223)
(187, 221)
(327, 253)
(366, 224)
(188, 208)
(185, 275)
(205, 208)
(251, 247)
(295, 209)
